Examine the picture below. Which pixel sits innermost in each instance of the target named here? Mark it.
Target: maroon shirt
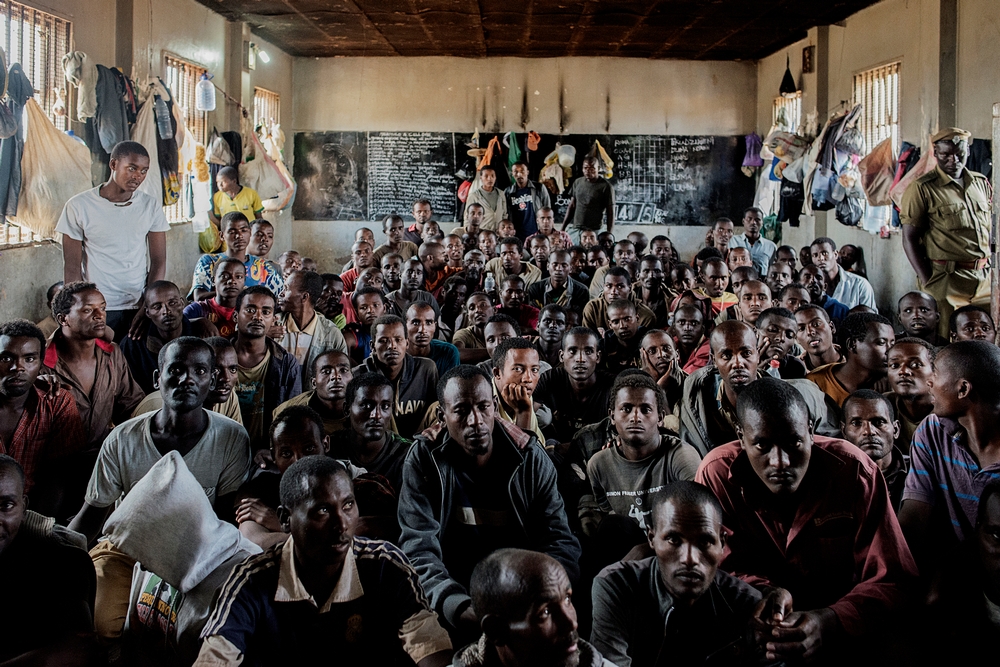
(843, 549)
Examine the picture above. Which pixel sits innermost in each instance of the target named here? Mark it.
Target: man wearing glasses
(946, 228)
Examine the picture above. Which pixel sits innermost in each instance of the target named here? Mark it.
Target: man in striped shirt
(955, 451)
(324, 592)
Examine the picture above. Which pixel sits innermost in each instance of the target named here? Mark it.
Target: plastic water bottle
(163, 126)
(489, 283)
(204, 94)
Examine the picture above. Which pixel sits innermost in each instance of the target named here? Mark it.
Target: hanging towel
(81, 72)
(754, 144)
(533, 140)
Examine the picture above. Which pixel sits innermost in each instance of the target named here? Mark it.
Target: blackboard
(658, 179)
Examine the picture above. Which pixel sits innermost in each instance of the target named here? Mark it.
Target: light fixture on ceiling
(788, 87)
(264, 58)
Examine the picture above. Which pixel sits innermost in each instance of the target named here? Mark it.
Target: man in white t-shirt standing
(106, 231)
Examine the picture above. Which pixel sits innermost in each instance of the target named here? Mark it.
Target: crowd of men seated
(504, 445)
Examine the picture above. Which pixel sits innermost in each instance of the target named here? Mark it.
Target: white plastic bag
(263, 175)
(54, 167)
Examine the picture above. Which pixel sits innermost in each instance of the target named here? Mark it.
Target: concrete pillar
(822, 103)
(948, 64)
(123, 35)
(233, 82)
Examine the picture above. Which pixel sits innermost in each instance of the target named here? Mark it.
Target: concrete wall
(615, 95)
(905, 30)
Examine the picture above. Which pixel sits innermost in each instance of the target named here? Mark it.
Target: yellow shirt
(827, 381)
(246, 202)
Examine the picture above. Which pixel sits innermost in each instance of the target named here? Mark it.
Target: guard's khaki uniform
(954, 216)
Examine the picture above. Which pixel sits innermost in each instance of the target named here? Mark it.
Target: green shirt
(954, 215)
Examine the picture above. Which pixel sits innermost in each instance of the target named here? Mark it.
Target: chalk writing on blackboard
(406, 166)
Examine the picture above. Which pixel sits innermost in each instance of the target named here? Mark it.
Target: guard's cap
(951, 134)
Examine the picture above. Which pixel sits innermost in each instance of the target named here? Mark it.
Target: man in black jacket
(676, 608)
(473, 484)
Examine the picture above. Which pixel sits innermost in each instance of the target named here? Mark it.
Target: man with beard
(230, 279)
(164, 306)
(814, 280)
(650, 290)
(848, 288)
(762, 250)
(474, 266)
(392, 226)
(509, 263)
(466, 468)
(693, 349)
(331, 301)
(677, 605)
(865, 339)
(488, 243)
(840, 557)
(392, 271)
(470, 341)
(40, 429)
(269, 611)
(525, 198)
(575, 390)
(815, 333)
(919, 316)
(617, 285)
(330, 374)
(307, 332)
(368, 441)
(715, 280)
(560, 288)
(411, 289)
(754, 298)
(778, 326)
(539, 248)
(436, 269)
(551, 327)
(215, 450)
(621, 340)
(267, 375)
(911, 365)
(414, 378)
(421, 325)
(361, 253)
(523, 601)
(971, 323)
(222, 398)
(870, 424)
(454, 250)
(708, 405)
(511, 292)
(422, 213)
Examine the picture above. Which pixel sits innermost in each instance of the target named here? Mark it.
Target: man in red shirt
(810, 515)
(37, 427)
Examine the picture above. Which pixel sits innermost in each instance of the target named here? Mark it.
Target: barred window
(38, 41)
(786, 112)
(182, 78)
(877, 91)
(266, 107)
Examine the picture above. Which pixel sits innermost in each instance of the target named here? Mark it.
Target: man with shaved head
(560, 288)
(755, 298)
(523, 603)
(715, 280)
(918, 314)
(421, 327)
(436, 269)
(708, 405)
(362, 252)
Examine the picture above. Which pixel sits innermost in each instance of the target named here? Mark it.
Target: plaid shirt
(49, 429)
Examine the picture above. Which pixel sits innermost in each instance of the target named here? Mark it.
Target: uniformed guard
(946, 227)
